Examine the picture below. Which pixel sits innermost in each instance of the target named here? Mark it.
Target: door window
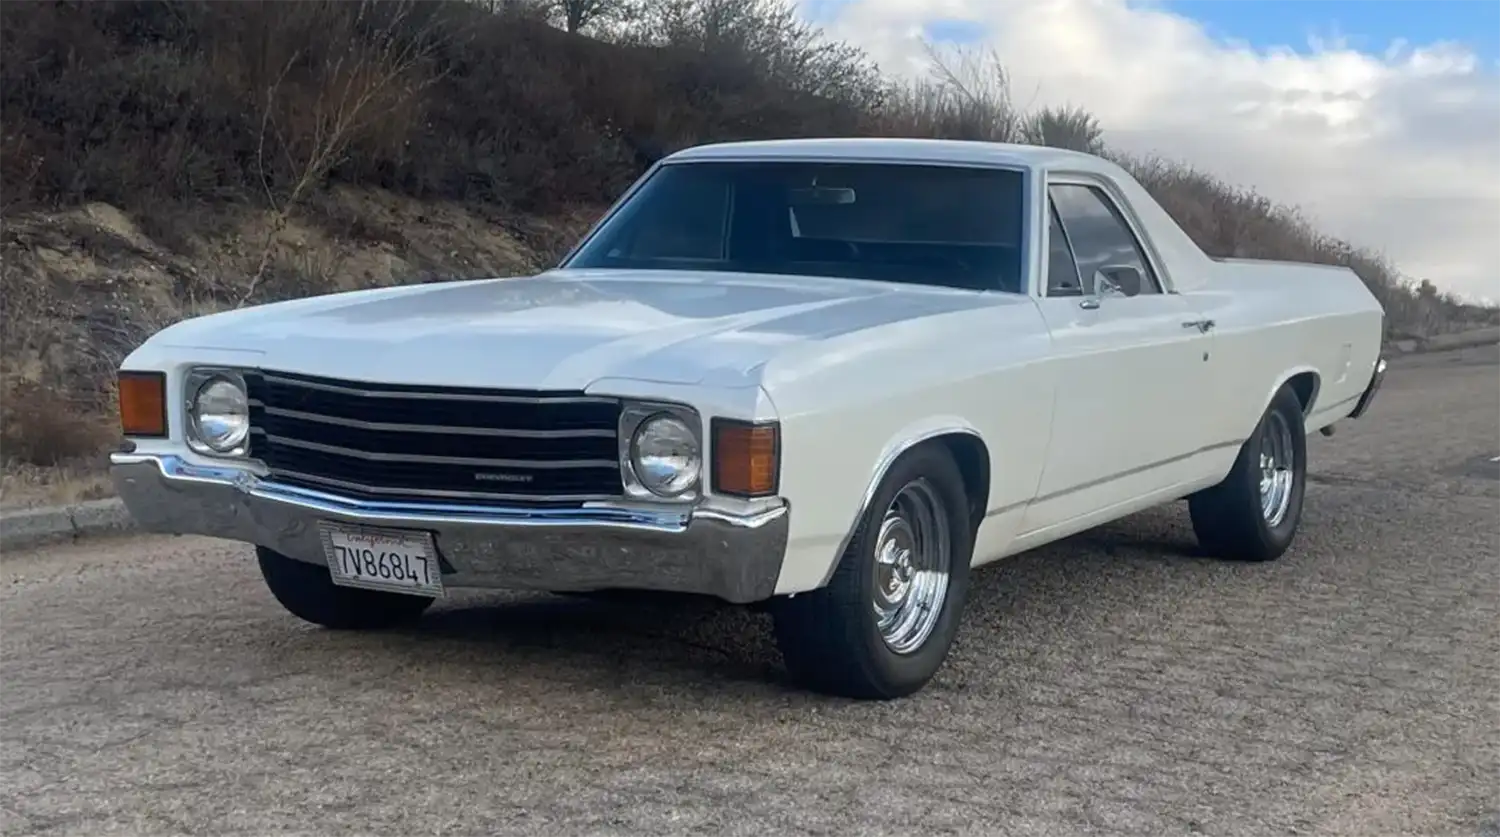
(1098, 235)
(1062, 271)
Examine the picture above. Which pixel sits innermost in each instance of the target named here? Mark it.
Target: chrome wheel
(912, 552)
(1277, 464)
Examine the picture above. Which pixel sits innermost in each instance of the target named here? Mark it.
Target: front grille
(396, 442)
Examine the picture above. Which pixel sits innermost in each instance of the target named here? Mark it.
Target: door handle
(1203, 326)
(1089, 303)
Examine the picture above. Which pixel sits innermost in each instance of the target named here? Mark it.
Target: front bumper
(735, 557)
(1376, 379)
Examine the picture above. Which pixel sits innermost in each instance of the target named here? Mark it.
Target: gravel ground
(1113, 683)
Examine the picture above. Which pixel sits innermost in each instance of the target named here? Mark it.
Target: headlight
(666, 455)
(219, 414)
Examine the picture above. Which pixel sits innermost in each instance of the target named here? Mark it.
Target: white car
(824, 376)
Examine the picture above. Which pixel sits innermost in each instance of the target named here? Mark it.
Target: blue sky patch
(1370, 26)
(954, 31)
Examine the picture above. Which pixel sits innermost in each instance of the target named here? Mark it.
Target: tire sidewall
(1281, 535)
(907, 671)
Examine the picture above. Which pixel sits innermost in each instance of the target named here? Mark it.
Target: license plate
(395, 560)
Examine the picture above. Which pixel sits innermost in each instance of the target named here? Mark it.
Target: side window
(1098, 234)
(1062, 271)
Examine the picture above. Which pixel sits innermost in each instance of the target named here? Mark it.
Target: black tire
(1228, 518)
(308, 592)
(829, 638)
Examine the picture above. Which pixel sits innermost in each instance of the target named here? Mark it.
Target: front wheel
(1254, 513)
(884, 623)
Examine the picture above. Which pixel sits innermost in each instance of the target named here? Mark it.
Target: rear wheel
(308, 592)
(1254, 513)
(883, 625)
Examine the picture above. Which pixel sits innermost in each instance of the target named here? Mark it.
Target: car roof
(874, 149)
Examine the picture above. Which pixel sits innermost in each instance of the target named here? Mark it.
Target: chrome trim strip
(690, 158)
(890, 459)
(1139, 469)
(881, 467)
(461, 430)
(438, 395)
(1004, 509)
(1331, 407)
(736, 557)
(435, 492)
(423, 459)
(673, 520)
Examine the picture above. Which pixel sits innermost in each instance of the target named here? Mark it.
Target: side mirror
(1117, 280)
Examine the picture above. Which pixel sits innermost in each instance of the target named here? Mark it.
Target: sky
(1379, 119)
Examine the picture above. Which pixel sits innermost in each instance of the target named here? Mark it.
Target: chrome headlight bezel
(196, 383)
(636, 417)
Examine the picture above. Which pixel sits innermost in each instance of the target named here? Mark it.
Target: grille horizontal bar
(386, 441)
(298, 415)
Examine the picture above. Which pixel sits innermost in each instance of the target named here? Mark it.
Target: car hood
(564, 329)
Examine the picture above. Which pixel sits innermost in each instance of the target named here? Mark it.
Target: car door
(1131, 361)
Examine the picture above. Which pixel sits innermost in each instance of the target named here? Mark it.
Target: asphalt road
(1110, 684)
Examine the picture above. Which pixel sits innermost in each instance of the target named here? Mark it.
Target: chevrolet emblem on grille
(483, 476)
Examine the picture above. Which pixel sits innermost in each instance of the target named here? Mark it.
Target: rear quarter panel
(846, 403)
(1276, 320)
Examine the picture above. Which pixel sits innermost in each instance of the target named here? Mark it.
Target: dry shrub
(39, 426)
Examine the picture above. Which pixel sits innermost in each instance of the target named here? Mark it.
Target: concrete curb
(25, 528)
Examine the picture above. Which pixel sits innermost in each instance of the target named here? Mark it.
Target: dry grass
(29, 486)
(166, 159)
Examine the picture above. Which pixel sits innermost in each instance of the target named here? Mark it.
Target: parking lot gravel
(1114, 683)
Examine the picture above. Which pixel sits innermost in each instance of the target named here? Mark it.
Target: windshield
(924, 225)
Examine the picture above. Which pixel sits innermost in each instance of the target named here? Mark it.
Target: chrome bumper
(737, 558)
(1373, 387)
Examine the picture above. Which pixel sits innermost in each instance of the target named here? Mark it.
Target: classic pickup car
(827, 377)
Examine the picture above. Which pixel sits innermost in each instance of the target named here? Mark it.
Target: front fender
(852, 407)
(899, 443)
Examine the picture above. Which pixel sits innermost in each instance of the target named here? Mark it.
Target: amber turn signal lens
(746, 458)
(143, 403)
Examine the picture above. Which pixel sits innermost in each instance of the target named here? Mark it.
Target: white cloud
(1397, 151)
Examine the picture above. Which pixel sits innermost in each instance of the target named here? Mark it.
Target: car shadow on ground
(687, 639)
(647, 637)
